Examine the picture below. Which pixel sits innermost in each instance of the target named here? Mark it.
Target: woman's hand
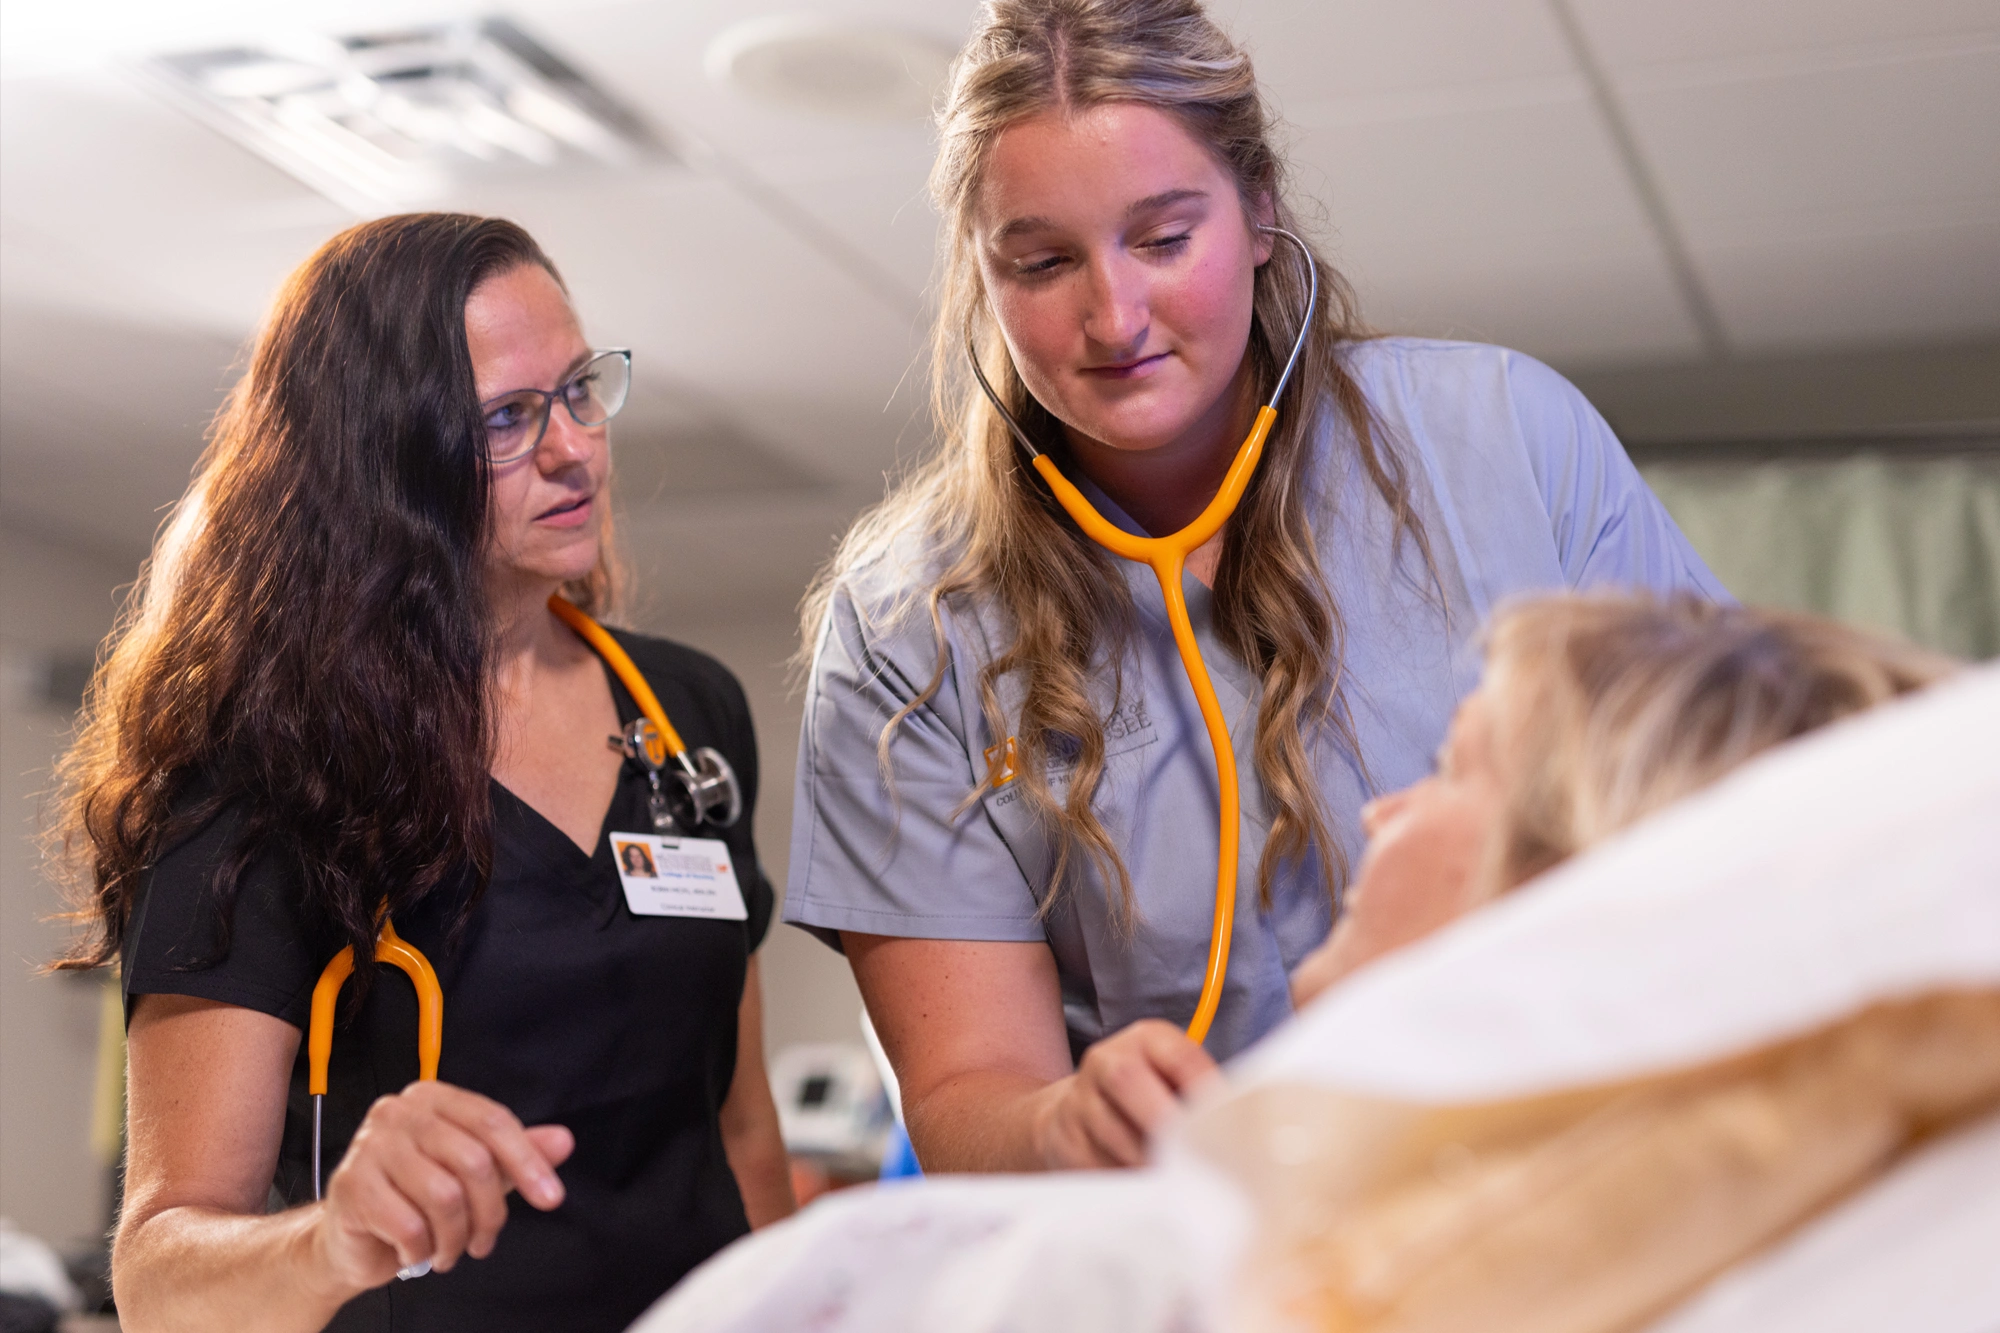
(975, 1030)
(427, 1177)
(1126, 1087)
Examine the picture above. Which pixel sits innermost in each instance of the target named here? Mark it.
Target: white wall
(54, 600)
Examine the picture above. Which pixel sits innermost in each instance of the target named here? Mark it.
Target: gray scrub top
(1521, 486)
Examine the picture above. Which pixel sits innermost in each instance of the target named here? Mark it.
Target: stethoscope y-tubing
(1167, 557)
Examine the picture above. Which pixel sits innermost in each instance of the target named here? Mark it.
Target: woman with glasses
(342, 693)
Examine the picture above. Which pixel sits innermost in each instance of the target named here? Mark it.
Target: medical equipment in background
(1167, 556)
(708, 791)
(832, 1106)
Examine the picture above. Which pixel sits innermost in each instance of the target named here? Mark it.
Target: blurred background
(1762, 235)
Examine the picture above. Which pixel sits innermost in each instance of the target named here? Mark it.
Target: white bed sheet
(1918, 1251)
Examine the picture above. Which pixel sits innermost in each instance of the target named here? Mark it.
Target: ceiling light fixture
(808, 63)
(386, 120)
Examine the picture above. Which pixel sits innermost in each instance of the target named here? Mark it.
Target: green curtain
(1905, 543)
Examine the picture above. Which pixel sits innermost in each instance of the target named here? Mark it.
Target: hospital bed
(1736, 1070)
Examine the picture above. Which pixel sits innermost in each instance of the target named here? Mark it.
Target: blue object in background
(899, 1159)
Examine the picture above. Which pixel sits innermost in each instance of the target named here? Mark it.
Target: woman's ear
(1263, 213)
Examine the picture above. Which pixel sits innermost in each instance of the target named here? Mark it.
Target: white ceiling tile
(885, 216)
(1602, 308)
(861, 181)
(201, 230)
(1859, 289)
(1836, 204)
(1634, 33)
(1511, 223)
(1308, 51)
(651, 55)
(1895, 134)
(1522, 171)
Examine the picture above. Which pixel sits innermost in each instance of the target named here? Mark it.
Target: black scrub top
(558, 1002)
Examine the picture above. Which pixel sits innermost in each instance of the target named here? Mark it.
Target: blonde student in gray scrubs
(1007, 810)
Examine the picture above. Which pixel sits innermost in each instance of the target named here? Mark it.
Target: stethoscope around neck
(1167, 557)
(689, 789)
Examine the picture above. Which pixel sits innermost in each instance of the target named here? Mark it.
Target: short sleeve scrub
(559, 1003)
(1520, 486)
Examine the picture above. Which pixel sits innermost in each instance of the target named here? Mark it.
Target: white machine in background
(831, 1105)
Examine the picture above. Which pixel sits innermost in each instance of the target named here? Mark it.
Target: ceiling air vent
(400, 119)
(828, 67)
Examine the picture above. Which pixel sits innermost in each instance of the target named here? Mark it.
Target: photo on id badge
(675, 876)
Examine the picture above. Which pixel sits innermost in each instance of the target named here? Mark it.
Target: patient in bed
(1594, 711)
(1746, 976)
(1584, 1207)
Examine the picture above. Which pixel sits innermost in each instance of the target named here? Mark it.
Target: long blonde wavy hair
(1005, 541)
(1616, 705)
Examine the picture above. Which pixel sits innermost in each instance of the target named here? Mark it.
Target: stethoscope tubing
(1167, 558)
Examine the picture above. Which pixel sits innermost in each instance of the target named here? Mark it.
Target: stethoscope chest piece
(701, 786)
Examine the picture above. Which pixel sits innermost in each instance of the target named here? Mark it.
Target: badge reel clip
(703, 787)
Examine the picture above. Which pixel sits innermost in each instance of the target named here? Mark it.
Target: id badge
(672, 876)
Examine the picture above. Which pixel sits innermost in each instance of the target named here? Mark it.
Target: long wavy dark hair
(309, 640)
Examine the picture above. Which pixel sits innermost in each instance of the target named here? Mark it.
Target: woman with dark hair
(342, 694)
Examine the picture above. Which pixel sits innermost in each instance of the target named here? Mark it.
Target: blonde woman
(1007, 809)
(1593, 713)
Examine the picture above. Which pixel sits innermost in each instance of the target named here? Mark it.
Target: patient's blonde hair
(1616, 705)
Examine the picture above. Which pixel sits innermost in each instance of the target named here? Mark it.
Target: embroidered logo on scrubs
(1002, 763)
(1128, 727)
(1128, 722)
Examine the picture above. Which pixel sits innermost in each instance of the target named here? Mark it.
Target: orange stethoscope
(703, 790)
(1168, 557)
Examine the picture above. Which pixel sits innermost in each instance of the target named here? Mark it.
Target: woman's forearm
(199, 1269)
(749, 1116)
(985, 1120)
(763, 1172)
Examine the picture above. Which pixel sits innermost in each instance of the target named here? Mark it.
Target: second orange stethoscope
(701, 789)
(1167, 557)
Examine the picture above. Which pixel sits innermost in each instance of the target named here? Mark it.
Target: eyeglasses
(516, 421)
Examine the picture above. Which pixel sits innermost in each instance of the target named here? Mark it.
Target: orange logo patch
(1001, 766)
